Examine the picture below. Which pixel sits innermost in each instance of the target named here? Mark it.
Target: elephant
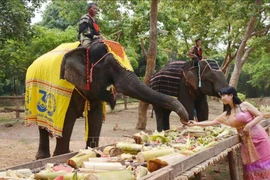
(189, 82)
(92, 70)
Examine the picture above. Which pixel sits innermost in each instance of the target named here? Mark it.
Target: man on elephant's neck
(196, 51)
(88, 26)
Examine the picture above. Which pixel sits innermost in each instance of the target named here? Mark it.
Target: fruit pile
(125, 160)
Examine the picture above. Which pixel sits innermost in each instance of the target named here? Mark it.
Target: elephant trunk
(130, 85)
(222, 82)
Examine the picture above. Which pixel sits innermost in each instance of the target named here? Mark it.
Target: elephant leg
(162, 117)
(201, 106)
(95, 119)
(62, 143)
(44, 144)
(75, 109)
(187, 98)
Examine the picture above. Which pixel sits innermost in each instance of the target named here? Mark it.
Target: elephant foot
(42, 155)
(56, 153)
(141, 126)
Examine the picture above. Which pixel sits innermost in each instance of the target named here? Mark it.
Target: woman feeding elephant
(82, 74)
(255, 141)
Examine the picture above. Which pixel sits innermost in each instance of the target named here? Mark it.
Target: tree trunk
(242, 54)
(151, 63)
(238, 68)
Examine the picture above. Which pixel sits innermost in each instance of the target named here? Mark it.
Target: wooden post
(152, 113)
(125, 102)
(232, 159)
(17, 112)
(198, 176)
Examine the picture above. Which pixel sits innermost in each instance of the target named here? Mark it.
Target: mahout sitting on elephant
(70, 80)
(189, 82)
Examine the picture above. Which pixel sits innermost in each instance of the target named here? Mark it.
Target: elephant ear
(73, 67)
(192, 79)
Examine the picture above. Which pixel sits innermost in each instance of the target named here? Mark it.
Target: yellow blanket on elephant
(47, 96)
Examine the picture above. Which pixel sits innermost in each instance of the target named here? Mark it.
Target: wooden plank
(191, 161)
(11, 97)
(40, 163)
(14, 109)
(162, 174)
(264, 122)
(200, 157)
(5, 111)
(56, 159)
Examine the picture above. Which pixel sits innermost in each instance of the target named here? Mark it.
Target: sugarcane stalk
(187, 152)
(86, 170)
(20, 173)
(100, 159)
(147, 155)
(115, 175)
(115, 151)
(53, 175)
(103, 166)
(141, 172)
(107, 149)
(83, 155)
(129, 147)
(162, 161)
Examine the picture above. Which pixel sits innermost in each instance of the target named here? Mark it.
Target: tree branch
(246, 37)
(246, 54)
(143, 49)
(262, 32)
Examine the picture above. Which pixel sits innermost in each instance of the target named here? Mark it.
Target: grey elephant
(91, 71)
(189, 82)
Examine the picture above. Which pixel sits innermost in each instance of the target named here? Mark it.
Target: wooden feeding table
(179, 169)
(194, 164)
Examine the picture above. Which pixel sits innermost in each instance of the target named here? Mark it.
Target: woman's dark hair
(236, 101)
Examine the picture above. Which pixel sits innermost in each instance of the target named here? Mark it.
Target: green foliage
(16, 56)
(252, 102)
(215, 22)
(260, 71)
(254, 79)
(132, 56)
(241, 96)
(15, 19)
(61, 14)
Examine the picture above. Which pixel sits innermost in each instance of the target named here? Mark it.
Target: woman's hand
(246, 129)
(191, 123)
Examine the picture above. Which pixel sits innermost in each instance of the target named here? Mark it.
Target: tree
(151, 61)
(16, 18)
(254, 28)
(61, 14)
(18, 55)
(15, 30)
(258, 73)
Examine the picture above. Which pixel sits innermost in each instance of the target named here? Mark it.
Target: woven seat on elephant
(167, 80)
(213, 65)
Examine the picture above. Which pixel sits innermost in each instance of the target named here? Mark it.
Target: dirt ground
(18, 144)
